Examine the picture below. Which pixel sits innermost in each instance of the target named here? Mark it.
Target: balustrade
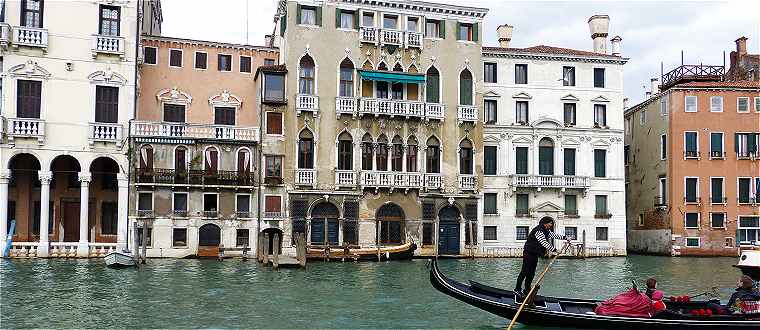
(306, 177)
(5, 34)
(345, 105)
(26, 128)
(30, 36)
(307, 102)
(413, 39)
(196, 131)
(107, 45)
(195, 177)
(345, 178)
(467, 113)
(105, 132)
(433, 181)
(368, 34)
(550, 181)
(391, 37)
(468, 182)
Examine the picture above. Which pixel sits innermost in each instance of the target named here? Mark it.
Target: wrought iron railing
(692, 72)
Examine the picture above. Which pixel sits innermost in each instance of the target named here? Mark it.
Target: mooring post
(144, 241)
(265, 248)
(276, 251)
(583, 252)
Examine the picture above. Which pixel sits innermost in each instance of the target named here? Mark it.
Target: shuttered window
(601, 205)
(692, 191)
(106, 104)
(174, 113)
(521, 160)
(744, 190)
(571, 205)
(274, 123)
(716, 190)
(432, 86)
(273, 204)
(489, 160)
(224, 115)
(569, 161)
(29, 98)
(600, 163)
(465, 88)
(522, 204)
(489, 203)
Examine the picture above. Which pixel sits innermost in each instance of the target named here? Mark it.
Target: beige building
(375, 138)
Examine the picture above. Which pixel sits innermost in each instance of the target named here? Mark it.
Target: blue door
(332, 231)
(448, 230)
(317, 231)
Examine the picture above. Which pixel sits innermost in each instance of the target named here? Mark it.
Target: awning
(392, 77)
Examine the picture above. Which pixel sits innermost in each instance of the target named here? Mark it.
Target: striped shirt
(544, 242)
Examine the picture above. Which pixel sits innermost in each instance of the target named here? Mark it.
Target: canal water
(237, 294)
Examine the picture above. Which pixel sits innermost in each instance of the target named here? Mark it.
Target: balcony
(194, 131)
(345, 106)
(604, 215)
(194, 177)
(306, 177)
(345, 178)
(306, 102)
(26, 128)
(29, 36)
(102, 44)
(686, 73)
(105, 132)
(433, 181)
(550, 181)
(717, 155)
(243, 215)
(434, 111)
(404, 108)
(746, 155)
(210, 214)
(368, 34)
(274, 214)
(467, 113)
(468, 182)
(691, 154)
(391, 37)
(5, 35)
(413, 39)
(392, 180)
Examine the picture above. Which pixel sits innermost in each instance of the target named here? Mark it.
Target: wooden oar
(533, 287)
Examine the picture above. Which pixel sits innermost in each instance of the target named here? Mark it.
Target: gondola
(578, 313)
(396, 252)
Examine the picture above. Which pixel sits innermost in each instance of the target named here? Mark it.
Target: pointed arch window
(306, 149)
(211, 160)
(306, 76)
(146, 157)
(433, 155)
(432, 86)
(367, 152)
(397, 89)
(346, 88)
(345, 151)
(465, 88)
(546, 157)
(397, 154)
(381, 87)
(244, 161)
(411, 155)
(381, 155)
(465, 157)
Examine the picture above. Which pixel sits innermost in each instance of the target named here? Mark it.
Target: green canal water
(238, 294)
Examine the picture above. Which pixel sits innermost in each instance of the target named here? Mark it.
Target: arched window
(411, 154)
(324, 224)
(211, 160)
(367, 152)
(397, 154)
(397, 89)
(546, 157)
(390, 219)
(346, 88)
(180, 159)
(433, 155)
(465, 87)
(244, 161)
(146, 157)
(465, 157)
(433, 87)
(305, 149)
(381, 155)
(345, 151)
(381, 87)
(306, 76)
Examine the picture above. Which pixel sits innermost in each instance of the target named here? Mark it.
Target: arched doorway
(448, 230)
(23, 197)
(104, 189)
(209, 238)
(66, 186)
(272, 232)
(390, 224)
(324, 224)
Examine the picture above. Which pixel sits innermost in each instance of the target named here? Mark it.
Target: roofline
(685, 88)
(442, 8)
(496, 52)
(208, 43)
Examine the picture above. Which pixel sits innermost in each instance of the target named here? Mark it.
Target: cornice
(424, 7)
(550, 57)
(206, 43)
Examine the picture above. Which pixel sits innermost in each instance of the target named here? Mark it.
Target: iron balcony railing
(194, 177)
(685, 73)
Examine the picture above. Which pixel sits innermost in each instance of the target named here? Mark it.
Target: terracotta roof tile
(544, 49)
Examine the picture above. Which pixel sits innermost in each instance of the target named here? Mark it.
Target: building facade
(194, 143)
(378, 140)
(693, 165)
(67, 99)
(553, 144)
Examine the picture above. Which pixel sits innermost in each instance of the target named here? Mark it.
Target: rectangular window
(273, 167)
(571, 233)
(179, 237)
(243, 206)
(368, 19)
(489, 203)
(600, 115)
(628, 127)
(599, 77)
(745, 144)
(175, 58)
(274, 123)
(691, 104)
(210, 205)
(106, 104)
(28, 98)
(224, 116)
(664, 105)
(663, 147)
(716, 191)
(174, 113)
(242, 237)
(749, 230)
(149, 55)
(201, 60)
(490, 74)
(757, 103)
(716, 103)
(663, 191)
(600, 163)
(692, 190)
(224, 62)
(491, 111)
(602, 233)
(600, 202)
(31, 13)
(522, 204)
(346, 19)
(274, 87)
(569, 166)
(433, 29)
(307, 15)
(179, 207)
(466, 32)
(571, 205)
(109, 20)
(390, 22)
(744, 190)
(521, 112)
(690, 145)
(489, 160)
(568, 76)
(245, 64)
(643, 117)
(427, 233)
(272, 206)
(144, 202)
(521, 233)
(742, 104)
(716, 145)
(521, 73)
(521, 160)
(626, 154)
(569, 114)
(718, 220)
(489, 233)
(692, 242)
(268, 61)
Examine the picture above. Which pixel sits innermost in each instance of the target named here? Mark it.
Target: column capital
(45, 177)
(85, 177)
(5, 175)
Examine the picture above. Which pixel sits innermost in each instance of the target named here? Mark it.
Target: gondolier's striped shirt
(544, 242)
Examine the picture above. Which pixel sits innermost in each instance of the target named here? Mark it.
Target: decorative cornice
(551, 57)
(29, 70)
(174, 95)
(209, 44)
(107, 77)
(225, 98)
(425, 7)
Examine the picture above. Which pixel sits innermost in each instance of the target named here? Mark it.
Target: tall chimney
(616, 45)
(599, 25)
(655, 86)
(741, 46)
(504, 32)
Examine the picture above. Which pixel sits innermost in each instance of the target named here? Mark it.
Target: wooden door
(71, 221)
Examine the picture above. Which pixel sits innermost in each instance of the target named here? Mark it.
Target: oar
(533, 287)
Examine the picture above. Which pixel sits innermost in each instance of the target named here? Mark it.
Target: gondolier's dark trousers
(529, 263)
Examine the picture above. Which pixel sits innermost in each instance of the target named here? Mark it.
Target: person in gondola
(539, 243)
(651, 286)
(745, 291)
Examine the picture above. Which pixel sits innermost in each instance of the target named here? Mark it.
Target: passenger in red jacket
(657, 303)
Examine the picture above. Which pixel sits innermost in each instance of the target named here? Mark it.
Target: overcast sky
(652, 32)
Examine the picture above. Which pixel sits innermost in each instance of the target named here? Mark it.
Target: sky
(653, 32)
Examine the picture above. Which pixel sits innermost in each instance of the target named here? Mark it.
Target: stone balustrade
(550, 181)
(102, 44)
(195, 131)
(26, 128)
(468, 182)
(105, 132)
(30, 36)
(307, 102)
(306, 177)
(467, 113)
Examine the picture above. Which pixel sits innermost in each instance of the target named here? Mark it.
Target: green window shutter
(736, 142)
(298, 14)
(751, 142)
(356, 19)
(319, 16)
(475, 32)
(283, 24)
(459, 31)
(442, 30)
(337, 18)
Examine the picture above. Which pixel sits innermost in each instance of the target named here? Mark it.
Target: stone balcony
(345, 106)
(194, 131)
(433, 181)
(102, 44)
(168, 176)
(345, 178)
(413, 39)
(308, 103)
(5, 35)
(390, 37)
(467, 113)
(391, 180)
(434, 111)
(306, 177)
(392, 108)
(31, 37)
(550, 181)
(105, 132)
(468, 182)
(26, 128)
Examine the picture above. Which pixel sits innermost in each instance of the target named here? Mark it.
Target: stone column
(123, 210)
(44, 247)
(84, 212)
(5, 175)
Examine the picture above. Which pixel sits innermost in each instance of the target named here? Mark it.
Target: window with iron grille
(521, 233)
(242, 237)
(489, 233)
(350, 232)
(351, 210)
(298, 208)
(427, 233)
(428, 211)
(602, 233)
(571, 233)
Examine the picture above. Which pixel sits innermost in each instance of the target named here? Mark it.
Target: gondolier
(539, 243)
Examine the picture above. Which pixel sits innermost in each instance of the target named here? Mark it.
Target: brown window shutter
(274, 123)
(273, 204)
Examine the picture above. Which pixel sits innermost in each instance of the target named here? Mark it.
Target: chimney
(741, 46)
(599, 25)
(504, 32)
(655, 86)
(268, 40)
(625, 103)
(616, 45)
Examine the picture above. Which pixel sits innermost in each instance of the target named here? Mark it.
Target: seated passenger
(746, 292)
(651, 286)
(657, 303)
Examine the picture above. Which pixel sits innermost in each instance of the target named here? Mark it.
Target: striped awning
(392, 76)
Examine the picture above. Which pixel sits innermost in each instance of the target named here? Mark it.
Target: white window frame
(440, 21)
(722, 145)
(484, 158)
(712, 99)
(399, 20)
(737, 104)
(697, 194)
(686, 242)
(725, 218)
(526, 234)
(203, 202)
(684, 145)
(361, 18)
(152, 201)
(699, 220)
(661, 191)
(664, 106)
(232, 62)
(497, 203)
(143, 54)
(641, 220)
(628, 126)
(187, 243)
(250, 59)
(686, 104)
(406, 23)
(663, 147)
(738, 226)
(751, 189)
(723, 189)
(181, 58)
(757, 103)
(497, 233)
(187, 206)
(250, 204)
(195, 60)
(602, 240)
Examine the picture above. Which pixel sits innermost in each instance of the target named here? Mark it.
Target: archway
(23, 197)
(448, 230)
(390, 224)
(104, 190)
(272, 232)
(324, 224)
(66, 186)
(209, 238)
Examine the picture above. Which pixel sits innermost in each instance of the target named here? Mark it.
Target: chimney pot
(599, 26)
(655, 87)
(504, 32)
(616, 45)
(741, 46)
